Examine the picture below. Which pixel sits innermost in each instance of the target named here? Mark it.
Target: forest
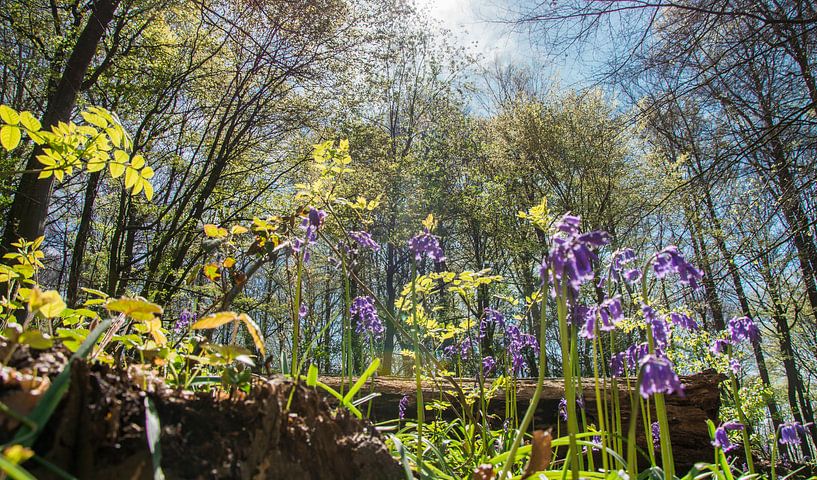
(341, 239)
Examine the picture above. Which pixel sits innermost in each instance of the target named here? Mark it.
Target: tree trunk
(29, 210)
(78, 253)
(771, 404)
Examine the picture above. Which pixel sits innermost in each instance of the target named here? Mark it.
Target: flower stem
(540, 380)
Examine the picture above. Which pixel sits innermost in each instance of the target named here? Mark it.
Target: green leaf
(36, 340)
(153, 429)
(30, 122)
(94, 119)
(361, 381)
(14, 472)
(9, 137)
(9, 115)
(312, 376)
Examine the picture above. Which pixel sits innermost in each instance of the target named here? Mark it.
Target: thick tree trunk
(29, 210)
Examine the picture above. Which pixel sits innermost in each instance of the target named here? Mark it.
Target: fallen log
(687, 415)
(99, 429)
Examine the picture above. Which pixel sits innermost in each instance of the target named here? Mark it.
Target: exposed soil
(99, 429)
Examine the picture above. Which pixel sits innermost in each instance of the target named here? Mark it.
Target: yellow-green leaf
(137, 308)
(48, 303)
(94, 119)
(36, 340)
(215, 320)
(10, 137)
(30, 122)
(9, 115)
(312, 376)
(255, 332)
(214, 231)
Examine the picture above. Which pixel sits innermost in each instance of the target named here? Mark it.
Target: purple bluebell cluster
(609, 312)
(402, 407)
(790, 433)
(563, 407)
(742, 328)
(660, 333)
(516, 342)
(311, 224)
(490, 318)
(618, 364)
(656, 435)
(683, 320)
(670, 260)
(186, 318)
(571, 256)
(426, 245)
(735, 366)
(622, 266)
(368, 321)
(722, 436)
(488, 365)
(462, 350)
(365, 240)
(658, 377)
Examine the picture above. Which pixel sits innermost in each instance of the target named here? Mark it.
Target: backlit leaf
(9, 137)
(215, 320)
(255, 332)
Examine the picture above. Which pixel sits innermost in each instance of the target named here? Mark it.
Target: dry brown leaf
(484, 472)
(540, 453)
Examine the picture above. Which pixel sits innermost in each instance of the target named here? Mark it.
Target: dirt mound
(99, 429)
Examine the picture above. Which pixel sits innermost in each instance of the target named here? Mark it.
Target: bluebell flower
(402, 407)
(364, 239)
(683, 320)
(657, 376)
(722, 436)
(571, 257)
(743, 328)
(670, 260)
(369, 322)
(426, 244)
(488, 365)
(618, 364)
(790, 433)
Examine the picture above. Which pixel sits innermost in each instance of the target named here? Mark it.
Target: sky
(481, 25)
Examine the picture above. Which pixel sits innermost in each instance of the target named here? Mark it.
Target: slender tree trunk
(701, 254)
(29, 210)
(83, 232)
(771, 404)
(793, 378)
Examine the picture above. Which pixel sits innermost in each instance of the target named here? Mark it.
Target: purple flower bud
(184, 321)
(490, 317)
(621, 268)
(368, 321)
(658, 377)
(670, 260)
(722, 436)
(488, 365)
(402, 407)
(743, 328)
(426, 244)
(563, 407)
(303, 311)
(656, 435)
(735, 366)
(618, 364)
(364, 239)
(683, 320)
(657, 324)
(790, 433)
(719, 346)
